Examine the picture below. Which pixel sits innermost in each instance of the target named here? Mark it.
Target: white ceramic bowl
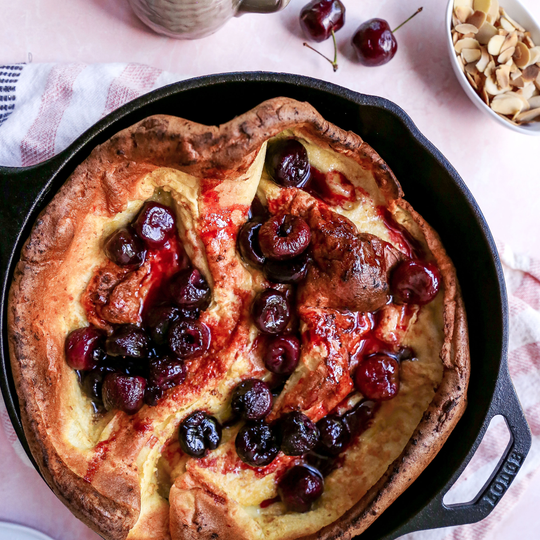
(523, 17)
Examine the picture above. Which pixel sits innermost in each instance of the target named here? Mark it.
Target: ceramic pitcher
(192, 19)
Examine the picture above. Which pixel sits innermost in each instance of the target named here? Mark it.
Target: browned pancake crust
(109, 501)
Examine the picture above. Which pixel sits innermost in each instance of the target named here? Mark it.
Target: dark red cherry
(248, 243)
(299, 434)
(358, 419)
(166, 372)
(92, 383)
(271, 311)
(284, 237)
(377, 377)
(334, 435)
(374, 42)
(128, 340)
(189, 289)
(320, 17)
(125, 248)
(415, 282)
(300, 487)
(287, 162)
(282, 354)
(252, 399)
(257, 210)
(123, 392)
(159, 319)
(198, 433)
(83, 348)
(289, 272)
(256, 444)
(188, 339)
(155, 224)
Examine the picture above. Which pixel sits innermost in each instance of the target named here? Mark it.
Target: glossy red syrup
(269, 502)
(400, 235)
(100, 453)
(320, 185)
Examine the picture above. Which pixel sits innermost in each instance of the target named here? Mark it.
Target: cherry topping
(298, 434)
(377, 377)
(284, 237)
(415, 282)
(290, 272)
(375, 43)
(252, 399)
(83, 348)
(166, 372)
(287, 162)
(320, 17)
(256, 444)
(92, 383)
(271, 311)
(188, 339)
(125, 248)
(257, 211)
(282, 355)
(359, 417)
(159, 319)
(198, 433)
(248, 243)
(189, 289)
(334, 435)
(300, 487)
(123, 392)
(128, 340)
(155, 224)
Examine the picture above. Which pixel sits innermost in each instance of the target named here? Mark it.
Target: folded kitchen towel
(43, 108)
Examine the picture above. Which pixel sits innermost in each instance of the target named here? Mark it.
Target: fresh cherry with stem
(375, 43)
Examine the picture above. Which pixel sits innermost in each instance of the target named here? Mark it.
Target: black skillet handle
(505, 403)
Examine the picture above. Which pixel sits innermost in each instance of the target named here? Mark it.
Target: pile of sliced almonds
(499, 58)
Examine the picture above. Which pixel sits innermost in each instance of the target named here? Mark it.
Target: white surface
(11, 531)
(520, 14)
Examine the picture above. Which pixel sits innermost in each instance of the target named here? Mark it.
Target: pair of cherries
(374, 41)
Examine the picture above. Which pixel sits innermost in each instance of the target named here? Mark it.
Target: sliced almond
(472, 69)
(471, 55)
(535, 55)
(466, 29)
(515, 72)
(484, 60)
(506, 55)
(460, 63)
(477, 19)
(493, 13)
(482, 5)
(463, 3)
(507, 105)
(511, 21)
(472, 80)
(528, 40)
(466, 43)
(486, 32)
(455, 37)
(522, 55)
(490, 69)
(502, 32)
(509, 42)
(527, 91)
(528, 116)
(530, 73)
(506, 24)
(502, 76)
(524, 102)
(517, 83)
(534, 102)
(463, 13)
(492, 88)
(484, 95)
(494, 45)
(455, 20)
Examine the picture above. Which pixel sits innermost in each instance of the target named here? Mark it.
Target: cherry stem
(404, 22)
(334, 62)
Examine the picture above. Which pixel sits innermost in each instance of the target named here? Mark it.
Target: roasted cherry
(189, 289)
(155, 224)
(284, 237)
(415, 282)
(198, 433)
(271, 311)
(248, 243)
(125, 248)
(166, 372)
(289, 272)
(92, 383)
(128, 340)
(256, 444)
(159, 319)
(188, 339)
(257, 210)
(320, 17)
(375, 43)
(377, 377)
(298, 434)
(84, 348)
(287, 162)
(252, 399)
(282, 354)
(334, 435)
(300, 487)
(359, 417)
(123, 392)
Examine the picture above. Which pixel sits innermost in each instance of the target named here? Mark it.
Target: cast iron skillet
(431, 185)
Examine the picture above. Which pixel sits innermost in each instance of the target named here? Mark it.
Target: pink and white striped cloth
(43, 108)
